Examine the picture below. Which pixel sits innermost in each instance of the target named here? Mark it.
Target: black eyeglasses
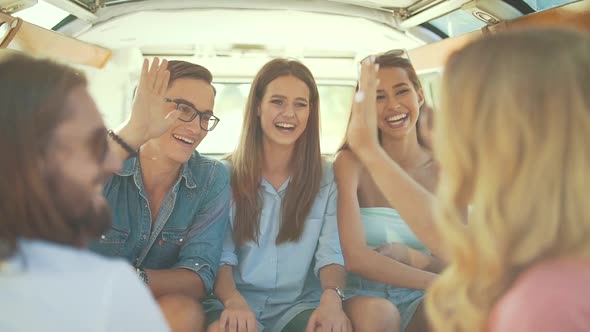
(189, 113)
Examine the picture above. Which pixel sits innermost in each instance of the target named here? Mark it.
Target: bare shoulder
(546, 296)
(346, 164)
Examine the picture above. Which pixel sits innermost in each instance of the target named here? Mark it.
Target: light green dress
(383, 226)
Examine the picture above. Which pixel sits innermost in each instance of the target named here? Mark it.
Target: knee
(182, 313)
(379, 315)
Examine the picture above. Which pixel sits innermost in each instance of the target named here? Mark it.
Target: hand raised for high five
(150, 116)
(362, 131)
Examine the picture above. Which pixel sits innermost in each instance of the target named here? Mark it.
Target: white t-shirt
(50, 287)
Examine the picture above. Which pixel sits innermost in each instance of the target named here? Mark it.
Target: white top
(50, 287)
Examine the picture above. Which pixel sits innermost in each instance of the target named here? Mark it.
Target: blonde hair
(247, 161)
(511, 141)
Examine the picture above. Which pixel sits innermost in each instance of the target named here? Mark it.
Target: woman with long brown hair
(368, 224)
(283, 220)
(511, 141)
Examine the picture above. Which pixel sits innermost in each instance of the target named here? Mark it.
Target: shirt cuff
(228, 258)
(327, 260)
(202, 270)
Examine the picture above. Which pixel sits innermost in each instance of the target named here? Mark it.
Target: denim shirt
(189, 230)
(280, 281)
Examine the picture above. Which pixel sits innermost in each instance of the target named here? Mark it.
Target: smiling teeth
(396, 117)
(184, 139)
(285, 125)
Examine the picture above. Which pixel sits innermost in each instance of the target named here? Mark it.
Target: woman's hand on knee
(237, 317)
(329, 316)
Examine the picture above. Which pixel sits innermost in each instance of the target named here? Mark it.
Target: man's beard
(94, 221)
(85, 217)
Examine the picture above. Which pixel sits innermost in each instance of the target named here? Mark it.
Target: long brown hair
(32, 104)
(395, 61)
(247, 161)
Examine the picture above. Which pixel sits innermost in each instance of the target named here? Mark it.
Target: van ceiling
(93, 5)
(230, 27)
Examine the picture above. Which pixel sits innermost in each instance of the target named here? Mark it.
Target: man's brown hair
(33, 95)
(183, 69)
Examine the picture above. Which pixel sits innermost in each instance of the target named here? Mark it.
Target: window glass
(43, 14)
(457, 23)
(539, 5)
(335, 103)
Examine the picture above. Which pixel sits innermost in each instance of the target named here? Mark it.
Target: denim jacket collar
(131, 167)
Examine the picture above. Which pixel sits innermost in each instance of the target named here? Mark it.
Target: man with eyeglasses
(170, 204)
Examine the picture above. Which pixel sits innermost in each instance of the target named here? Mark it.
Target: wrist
(371, 155)
(142, 275)
(134, 137)
(233, 299)
(332, 294)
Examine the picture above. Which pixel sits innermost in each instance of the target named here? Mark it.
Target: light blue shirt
(280, 281)
(50, 287)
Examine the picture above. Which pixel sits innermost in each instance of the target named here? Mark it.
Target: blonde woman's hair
(512, 142)
(247, 160)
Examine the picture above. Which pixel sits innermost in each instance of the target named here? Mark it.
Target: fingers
(155, 76)
(232, 321)
(223, 321)
(368, 78)
(367, 84)
(233, 324)
(251, 324)
(163, 84)
(162, 77)
(311, 324)
(153, 71)
(144, 72)
(241, 325)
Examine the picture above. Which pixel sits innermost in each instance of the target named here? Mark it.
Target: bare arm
(174, 281)
(412, 257)
(225, 287)
(399, 188)
(358, 257)
(332, 276)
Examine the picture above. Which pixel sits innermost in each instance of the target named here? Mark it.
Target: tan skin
(152, 128)
(397, 186)
(285, 103)
(397, 104)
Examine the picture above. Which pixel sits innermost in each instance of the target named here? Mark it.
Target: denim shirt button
(196, 264)
(180, 240)
(102, 237)
(144, 237)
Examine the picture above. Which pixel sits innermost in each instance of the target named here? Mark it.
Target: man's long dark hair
(33, 94)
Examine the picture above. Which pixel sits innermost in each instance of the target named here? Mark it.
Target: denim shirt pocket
(171, 242)
(112, 242)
